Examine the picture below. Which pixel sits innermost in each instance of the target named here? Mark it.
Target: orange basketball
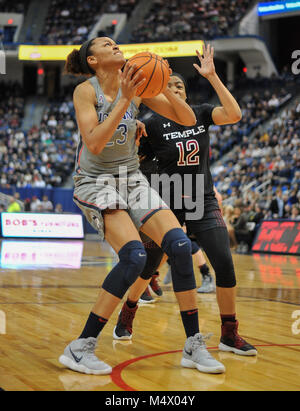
(155, 70)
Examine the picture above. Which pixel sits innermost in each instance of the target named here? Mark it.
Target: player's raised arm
(229, 112)
(157, 95)
(169, 105)
(96, 135)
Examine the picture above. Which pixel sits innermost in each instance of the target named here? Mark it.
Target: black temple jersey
(171, 148)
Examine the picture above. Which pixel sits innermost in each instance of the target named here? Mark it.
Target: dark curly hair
(76, 62)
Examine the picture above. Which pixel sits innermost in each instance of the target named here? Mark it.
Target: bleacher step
(34, 22)
(137, 17)
(34, 109)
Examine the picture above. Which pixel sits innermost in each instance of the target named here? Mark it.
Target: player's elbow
(193, 119)
(93, 143)
(194, 122)
(94, 149)
(236, 117)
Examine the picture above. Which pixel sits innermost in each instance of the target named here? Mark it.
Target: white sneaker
(79, 356)
(195, 355)
(208, 285)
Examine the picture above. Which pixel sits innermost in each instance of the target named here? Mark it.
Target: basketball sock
(190, 322)
(204, 270)
(228, 317)
(93, 326)
(131, 304)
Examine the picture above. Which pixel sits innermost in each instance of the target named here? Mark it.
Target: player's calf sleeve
(154, 257)
(132, 262)
(221, 260)
(217, 248)
(178, 248)
(225, 274)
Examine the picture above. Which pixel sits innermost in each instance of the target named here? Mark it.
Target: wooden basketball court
(42, 308)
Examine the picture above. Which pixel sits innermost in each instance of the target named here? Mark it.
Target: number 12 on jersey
(187, 153)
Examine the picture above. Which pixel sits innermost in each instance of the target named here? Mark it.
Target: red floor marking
(117, 370)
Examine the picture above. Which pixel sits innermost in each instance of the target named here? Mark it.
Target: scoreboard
(278, 237)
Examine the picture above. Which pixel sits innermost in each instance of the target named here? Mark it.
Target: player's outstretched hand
(206, 60)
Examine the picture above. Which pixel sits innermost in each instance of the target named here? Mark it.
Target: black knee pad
(132, 262)
(178, 248)
(154, 257)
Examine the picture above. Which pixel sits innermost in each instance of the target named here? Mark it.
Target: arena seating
(42, 156)
(260, 179)
(7, 6)
(165, 21)
(259, 99)
(65, 23)
(188, 20)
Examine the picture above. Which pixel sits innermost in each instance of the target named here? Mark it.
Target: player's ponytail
(72, 65)
(76, 62)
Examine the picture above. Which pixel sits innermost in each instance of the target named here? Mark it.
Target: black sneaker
(232, 342)
(123, 329)
(146, 297)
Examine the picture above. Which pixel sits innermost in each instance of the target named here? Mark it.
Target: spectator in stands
(295, 214)
(14, 206)
(258, 215)
(46, 205)
(274, 102)
(293, 199)
(58, 208)
(241, 235)
(27, 203)
(38, 180)
(3, 180)
(35, 203)
(52, 122)
(277, 205)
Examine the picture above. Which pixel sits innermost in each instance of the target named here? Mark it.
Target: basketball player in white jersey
(117, 199)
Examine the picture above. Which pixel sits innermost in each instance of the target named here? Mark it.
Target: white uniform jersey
(120, 151)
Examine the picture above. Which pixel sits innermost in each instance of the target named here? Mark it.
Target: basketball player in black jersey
(185, 150)
(148, 166)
